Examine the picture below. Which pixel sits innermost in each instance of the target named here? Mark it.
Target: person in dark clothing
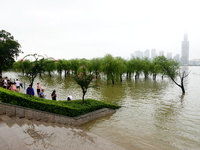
(54, 95)
(9, 83)
(30, 90)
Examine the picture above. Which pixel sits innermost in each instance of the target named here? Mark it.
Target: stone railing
(23, 112)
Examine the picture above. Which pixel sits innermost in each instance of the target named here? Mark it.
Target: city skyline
(89, 29)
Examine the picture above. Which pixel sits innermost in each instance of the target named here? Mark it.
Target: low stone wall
(23, 112)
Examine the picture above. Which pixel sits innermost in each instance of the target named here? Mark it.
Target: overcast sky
(92, 28)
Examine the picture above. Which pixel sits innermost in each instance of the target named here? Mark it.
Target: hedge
(67, 108)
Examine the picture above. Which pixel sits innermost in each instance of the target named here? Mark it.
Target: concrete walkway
(24, 134)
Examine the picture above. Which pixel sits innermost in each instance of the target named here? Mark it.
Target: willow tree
(171, 68)
(75, 65)
(66, 67)
(96, 65)
(135, 65)
(59, 66)
(110, 67)
(146, 63)
(49, 66)
(121, 66)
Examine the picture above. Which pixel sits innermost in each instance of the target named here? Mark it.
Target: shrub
(67, 108)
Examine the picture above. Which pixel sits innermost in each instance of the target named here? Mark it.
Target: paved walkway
(23, 134)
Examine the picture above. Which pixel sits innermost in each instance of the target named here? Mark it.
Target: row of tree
(114, 68)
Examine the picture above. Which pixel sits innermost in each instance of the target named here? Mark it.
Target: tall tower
(185, 51)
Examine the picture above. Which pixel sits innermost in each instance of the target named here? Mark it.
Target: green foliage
(75, 65)
(167, 67)
(9, 49)
(67, 108)
(96, 65)
(83, 78)
(110, 66)
(49, 66)
(34, 68)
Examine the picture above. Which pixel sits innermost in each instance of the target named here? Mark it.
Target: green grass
(67, 108)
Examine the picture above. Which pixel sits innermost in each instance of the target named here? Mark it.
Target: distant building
(138, 54)
(153, 54)
(177, 57)
(195, 62)
(169, 55)
(146, 53)
(161, 53)
(185, 51)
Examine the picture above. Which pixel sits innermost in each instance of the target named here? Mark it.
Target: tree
(171, 68)
(9, 50)
(146, 63)
(83, 78)
(110, 67)
(96, 65)
(121, 67)
(49, 66)
(34, 68)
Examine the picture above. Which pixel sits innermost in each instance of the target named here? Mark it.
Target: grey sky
(92, 28)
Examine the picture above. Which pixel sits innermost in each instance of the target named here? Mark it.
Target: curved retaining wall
(23, 112)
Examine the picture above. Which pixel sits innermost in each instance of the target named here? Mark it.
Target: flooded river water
(154, 114)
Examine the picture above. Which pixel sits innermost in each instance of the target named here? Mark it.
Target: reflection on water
(155, 115)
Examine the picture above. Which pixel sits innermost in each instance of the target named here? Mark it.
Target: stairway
(24, 134)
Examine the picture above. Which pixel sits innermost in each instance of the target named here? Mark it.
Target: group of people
(40, 92)
(13, 86)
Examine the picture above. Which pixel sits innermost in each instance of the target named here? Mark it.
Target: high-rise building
(177, 57)
(146, 53)
(138, 54)
(185, 51)
(169, 55)
(161, 53)
(153, 54)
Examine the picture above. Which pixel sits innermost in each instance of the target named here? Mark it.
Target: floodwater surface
(154, 114)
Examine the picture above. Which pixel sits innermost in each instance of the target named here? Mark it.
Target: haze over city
(89, 28)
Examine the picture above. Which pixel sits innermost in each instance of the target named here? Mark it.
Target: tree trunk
(121, 77)
(84, 92)
(65, 73)
(182, 86)
(154, 76)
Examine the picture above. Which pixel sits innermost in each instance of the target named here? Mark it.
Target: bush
(67, 108)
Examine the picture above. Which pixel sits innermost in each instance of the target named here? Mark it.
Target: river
(154, 114)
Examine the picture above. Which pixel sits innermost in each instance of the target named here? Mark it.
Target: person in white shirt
(5, 83)
(17, 84)
(69, 98)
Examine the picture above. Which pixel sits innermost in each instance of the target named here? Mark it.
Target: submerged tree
(171, 68)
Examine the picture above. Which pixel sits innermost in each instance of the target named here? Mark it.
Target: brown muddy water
(154, 114)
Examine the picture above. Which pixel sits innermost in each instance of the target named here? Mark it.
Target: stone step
(37, 135)
(9, 140)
